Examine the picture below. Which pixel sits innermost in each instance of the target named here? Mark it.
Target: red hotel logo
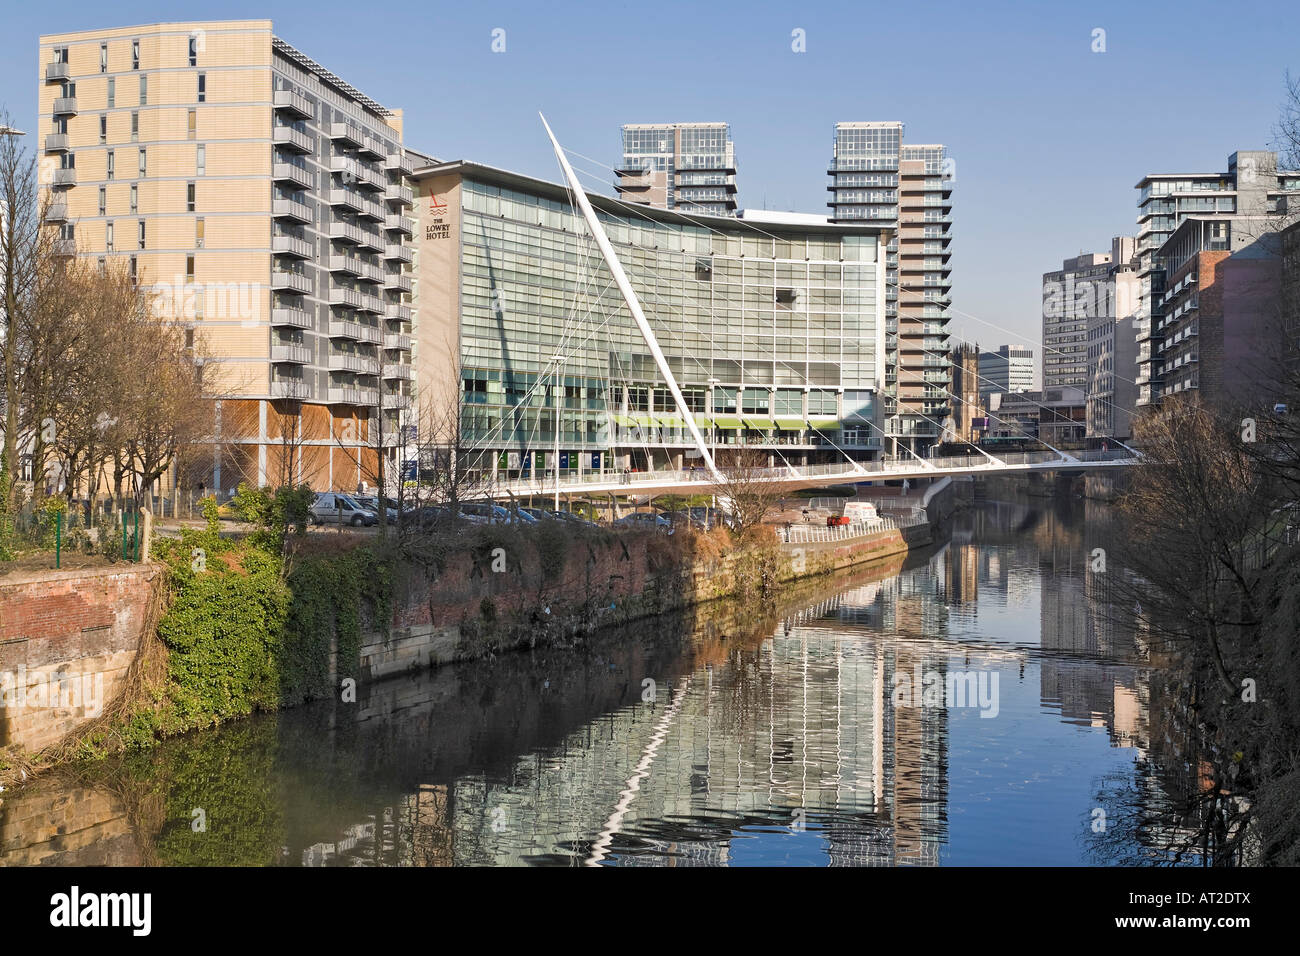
(437, 206)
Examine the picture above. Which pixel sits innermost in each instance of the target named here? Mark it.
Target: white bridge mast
(633, 304)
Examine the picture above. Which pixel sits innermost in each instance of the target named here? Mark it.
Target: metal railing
(814, 534)
(840, 471)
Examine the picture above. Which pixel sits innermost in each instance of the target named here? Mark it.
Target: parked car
(487, 512)
(372, 502)
(647, 520)
(540, 514)
(679, 519)
(572, 517)
(706, 518)
(334, 507)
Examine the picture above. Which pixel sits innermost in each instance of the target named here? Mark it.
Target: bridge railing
(816, 534)
(842, 471)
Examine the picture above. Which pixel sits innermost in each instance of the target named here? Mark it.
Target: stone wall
(66, 641)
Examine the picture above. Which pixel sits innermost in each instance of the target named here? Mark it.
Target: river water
(980, 703)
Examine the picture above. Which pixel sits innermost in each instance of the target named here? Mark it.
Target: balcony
(396, 340)
(64, 247)
(345, 395)
(394, 401)
(399, 162)
(56, 143)
(346, 133)
(290, 388)
(289, 173)
(370, 239)
(371, 334)
(373, 210)
(355, 172)
(370, 146)
(297, 354)
(57, 71)
(291, 246)
(348, 264)
(397, 313)
(397, 280)
(293, 103)
(291, 282)
(399, 372)
(357, 267)
(293, 138)
(371, 303)
(400, 224)
(342, 295)
(355, 299)
(291, 209)
(298, 318)
(398, 253)
(399, 194)
(56, 212)
(65, 177)
(346, 198)
(345, 329)
(353, 362)
(64, 106)
(345, 232)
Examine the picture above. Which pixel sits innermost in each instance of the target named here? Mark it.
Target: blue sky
(1048, 136)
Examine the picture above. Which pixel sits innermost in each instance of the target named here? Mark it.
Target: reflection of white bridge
(809, 476)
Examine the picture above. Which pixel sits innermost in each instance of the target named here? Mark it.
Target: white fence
(815, 534)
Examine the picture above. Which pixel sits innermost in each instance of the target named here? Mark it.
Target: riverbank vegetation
(275, 617)
(1213, 520)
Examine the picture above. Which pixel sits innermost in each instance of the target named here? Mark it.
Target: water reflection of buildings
(799, 730)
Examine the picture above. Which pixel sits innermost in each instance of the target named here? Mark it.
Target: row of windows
(60, 53)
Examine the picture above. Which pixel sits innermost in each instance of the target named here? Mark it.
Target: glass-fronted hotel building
(773, 328)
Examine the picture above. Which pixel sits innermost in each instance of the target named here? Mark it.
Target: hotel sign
(439, 223)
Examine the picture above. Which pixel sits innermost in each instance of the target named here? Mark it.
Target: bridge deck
(810, 476)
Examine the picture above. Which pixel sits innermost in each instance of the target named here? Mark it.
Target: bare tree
(752, 488)
(22, 240)
(1196, 515)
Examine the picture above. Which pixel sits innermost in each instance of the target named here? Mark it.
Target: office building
(773, 332)
(1054, 415)
(1291, 298)
(264, 203)
(877, 178)
(1072, 296)
(1217, 329)
(686, 166)
(1252, 188)
(1111, 387)
(1008, 368)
